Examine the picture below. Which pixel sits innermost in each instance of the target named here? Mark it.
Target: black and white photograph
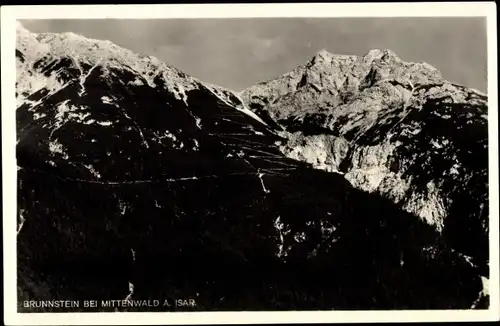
(250, 164)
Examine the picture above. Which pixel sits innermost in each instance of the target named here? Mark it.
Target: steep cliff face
(137, 181)
(393, 128)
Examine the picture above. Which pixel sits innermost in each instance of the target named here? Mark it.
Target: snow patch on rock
(104, 123)
(66, 112)
(282, 230)
(30, 81)
(106, 100)
(56, 148)
(93, 171)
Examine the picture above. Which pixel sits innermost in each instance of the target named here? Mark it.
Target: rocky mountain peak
(324, 59)
(327, 60)
(322, 56)
(328, 80)
(392, 127)
(385, 55)
(373, 53)
(45, 60)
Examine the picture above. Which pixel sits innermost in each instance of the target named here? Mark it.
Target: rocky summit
(349, 183)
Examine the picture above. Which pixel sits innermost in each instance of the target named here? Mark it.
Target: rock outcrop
(139, 182)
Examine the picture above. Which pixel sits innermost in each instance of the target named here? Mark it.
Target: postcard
(250, 163)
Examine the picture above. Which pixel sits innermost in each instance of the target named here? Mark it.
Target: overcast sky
(237, 53)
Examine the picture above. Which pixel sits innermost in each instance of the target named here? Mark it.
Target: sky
(240, 52)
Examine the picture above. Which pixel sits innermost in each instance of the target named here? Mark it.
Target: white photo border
(9, 15)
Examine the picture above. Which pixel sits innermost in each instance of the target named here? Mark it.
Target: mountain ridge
(144, 177)
(322, 53)
(96, 52)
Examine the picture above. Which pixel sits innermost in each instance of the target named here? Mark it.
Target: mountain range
(348, 183)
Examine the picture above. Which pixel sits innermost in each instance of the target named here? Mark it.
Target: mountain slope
(137, 181)
(393, 128)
